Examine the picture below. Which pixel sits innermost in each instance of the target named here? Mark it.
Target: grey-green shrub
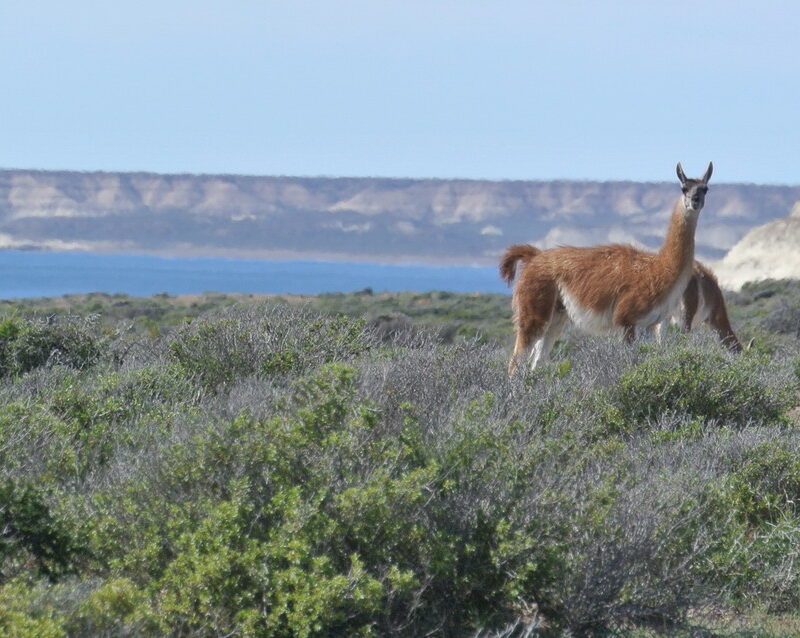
(264, 341)
(267, 471)
(32, 538)
(29, 344)
(702, 383)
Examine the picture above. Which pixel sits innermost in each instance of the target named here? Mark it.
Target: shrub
(706, 384)
(267, 471)
(26, 345)
(784, 318)
(766, 485)
(116, 607)
(67, 424)
(32, 539)
(223, 580)
(21, 617)
(264, 341)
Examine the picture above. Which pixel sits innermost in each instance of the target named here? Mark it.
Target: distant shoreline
(30, 274)
(259, 255)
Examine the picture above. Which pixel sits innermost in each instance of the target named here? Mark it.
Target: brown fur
(703, 282)
(513, 254)
(603, 287)
(704, 286)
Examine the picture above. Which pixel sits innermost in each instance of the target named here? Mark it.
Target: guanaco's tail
(513, 254)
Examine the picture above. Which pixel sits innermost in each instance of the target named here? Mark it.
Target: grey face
(694, 190)
(694, 194)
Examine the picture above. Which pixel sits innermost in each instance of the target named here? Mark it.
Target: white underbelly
(670, 306)
(662, 311)
(587, 319)
(595, 322)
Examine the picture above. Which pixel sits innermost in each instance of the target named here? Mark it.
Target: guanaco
(601, 289)
(701, 302)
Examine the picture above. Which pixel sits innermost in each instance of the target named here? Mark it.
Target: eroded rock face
(770, 251)
(373, 219)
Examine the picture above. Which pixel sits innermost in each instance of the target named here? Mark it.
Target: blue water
(34, 274)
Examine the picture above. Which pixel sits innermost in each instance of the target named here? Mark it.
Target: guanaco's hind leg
(534, 303)
(691, 302)
(541, 349)
(660, 329)
(629, 334)
(521, 346)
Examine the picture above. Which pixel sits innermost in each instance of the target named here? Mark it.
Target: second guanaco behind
(702, 302)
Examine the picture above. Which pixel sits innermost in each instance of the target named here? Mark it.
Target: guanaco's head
(694, 190)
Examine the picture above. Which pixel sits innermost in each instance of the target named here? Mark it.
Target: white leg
(659, 329)
(536, 353)
(543, 346)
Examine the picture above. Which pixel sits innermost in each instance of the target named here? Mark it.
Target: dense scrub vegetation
(235, 467)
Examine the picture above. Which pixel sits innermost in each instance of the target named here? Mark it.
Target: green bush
(32, 539)
(324, 523)
(26, 345)
(225, 581)
(267, 471)
(264, 342)
(22, 617)
(704, 384)
(75, 422)
(116, 607)
(765, 487)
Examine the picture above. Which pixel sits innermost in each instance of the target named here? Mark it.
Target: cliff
(459, 221)
(769, 251)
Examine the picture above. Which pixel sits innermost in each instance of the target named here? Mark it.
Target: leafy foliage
(26, 345)
(714, 387)
(265, 470)
(32, 537)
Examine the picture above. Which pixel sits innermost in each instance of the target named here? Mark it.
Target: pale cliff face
(466, 221)
(771, 251)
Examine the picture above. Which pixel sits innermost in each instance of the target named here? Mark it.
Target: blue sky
(409, 88)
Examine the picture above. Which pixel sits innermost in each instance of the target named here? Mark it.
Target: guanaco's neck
(677, 253)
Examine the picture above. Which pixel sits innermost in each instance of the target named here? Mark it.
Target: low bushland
(263, 470)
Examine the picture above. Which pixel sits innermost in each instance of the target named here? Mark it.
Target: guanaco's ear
(707, 176)
(681, 174)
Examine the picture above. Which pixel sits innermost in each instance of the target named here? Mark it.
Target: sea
(29, 274)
